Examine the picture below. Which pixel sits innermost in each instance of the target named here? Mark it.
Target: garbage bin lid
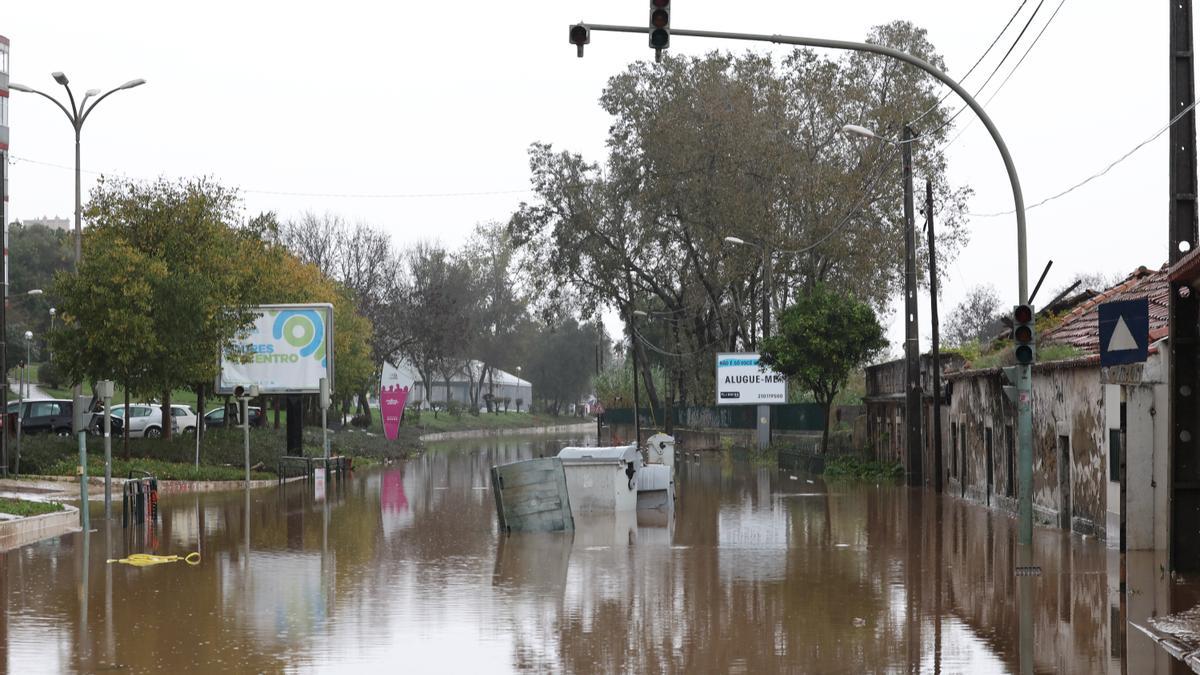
(620, 453)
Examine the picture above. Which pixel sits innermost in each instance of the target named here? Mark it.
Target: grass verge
(24, 508)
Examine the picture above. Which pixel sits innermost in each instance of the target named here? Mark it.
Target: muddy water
(400, 569)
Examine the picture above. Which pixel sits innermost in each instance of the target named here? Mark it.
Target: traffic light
(580, 36)
(1023, 334)
(660, 24)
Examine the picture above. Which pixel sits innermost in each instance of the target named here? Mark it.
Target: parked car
(41, 416)
(216, 418)
(184, 418)
(144, 419)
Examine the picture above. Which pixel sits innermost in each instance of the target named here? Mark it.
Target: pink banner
(391, 407)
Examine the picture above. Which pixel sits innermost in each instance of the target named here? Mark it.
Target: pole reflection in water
(751, 572)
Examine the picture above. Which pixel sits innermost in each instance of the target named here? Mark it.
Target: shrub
(506, 400)
(519, 402)
(854, 467)
(412, 414)
(51, 375)
(454, 408)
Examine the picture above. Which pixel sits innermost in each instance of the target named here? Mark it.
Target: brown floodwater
(400, 569)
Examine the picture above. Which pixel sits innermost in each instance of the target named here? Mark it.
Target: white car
(145, 419)
(184, 417)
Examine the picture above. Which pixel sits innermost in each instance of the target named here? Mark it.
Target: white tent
(501, 384)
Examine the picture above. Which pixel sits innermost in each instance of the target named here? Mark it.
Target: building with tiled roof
(1080, 328)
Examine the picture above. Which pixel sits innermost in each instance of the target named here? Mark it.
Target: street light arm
(106, 94)
(1009, 165)
(31, 90)
(76, 120)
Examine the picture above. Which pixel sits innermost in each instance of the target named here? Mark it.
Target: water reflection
(402, 566)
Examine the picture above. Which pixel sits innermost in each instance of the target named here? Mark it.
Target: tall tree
(702, 148)
(823, 338)
(185, 229)
(972, 319)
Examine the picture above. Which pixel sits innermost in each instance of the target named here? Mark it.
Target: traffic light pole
(1024, 384)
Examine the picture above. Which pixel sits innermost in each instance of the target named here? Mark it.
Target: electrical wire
(995, 70)
(1098, 174)
(978, 61)
(1007, 78)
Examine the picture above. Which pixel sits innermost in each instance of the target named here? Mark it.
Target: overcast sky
(296, 101)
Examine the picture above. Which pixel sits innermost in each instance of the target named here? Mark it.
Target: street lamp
(77, 115)
(766, 299)
(912, 345)
(637, 418)
(53, 313)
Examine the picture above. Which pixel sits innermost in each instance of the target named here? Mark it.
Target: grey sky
(367, 98)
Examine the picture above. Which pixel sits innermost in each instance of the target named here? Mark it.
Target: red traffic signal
(580, 36)
(660, 24)
(1024, 335)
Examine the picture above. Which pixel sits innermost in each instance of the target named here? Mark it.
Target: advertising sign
(394, 387)
(286, 350)
(742, 381)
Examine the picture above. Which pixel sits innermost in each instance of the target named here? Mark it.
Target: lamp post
(912, 345)
(764, 410)
(77, 114)
(637, 417)
(53, 313)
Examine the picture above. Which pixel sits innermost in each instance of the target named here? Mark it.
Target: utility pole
(912, 345)
(4, 429)
(764, 411)
(637, 417)
(1183, 414)
(934, 342)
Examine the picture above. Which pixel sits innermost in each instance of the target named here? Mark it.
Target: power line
(1098, 174)
(978, 61)
(995, 70)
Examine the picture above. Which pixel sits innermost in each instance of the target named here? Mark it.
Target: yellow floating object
(146, 559)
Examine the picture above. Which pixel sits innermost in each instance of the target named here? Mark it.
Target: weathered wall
(1066, 402)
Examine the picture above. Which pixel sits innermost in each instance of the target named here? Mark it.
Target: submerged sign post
(287, 349)
(741, 380)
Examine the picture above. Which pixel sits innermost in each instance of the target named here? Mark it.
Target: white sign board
(742, 381)
(286, 350)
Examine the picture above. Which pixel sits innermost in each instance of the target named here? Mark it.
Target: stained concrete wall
(1067, 402)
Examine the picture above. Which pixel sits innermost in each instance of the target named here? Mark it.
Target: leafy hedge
(48, 455)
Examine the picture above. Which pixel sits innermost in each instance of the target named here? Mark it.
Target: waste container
(660, 449)
(601, 480)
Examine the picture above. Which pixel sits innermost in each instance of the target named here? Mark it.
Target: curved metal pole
(1018, 197)
(30, 90)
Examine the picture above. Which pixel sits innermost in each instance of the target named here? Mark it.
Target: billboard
(742, 381)
(286, 350)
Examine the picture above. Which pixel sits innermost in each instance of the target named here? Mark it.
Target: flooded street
(400, 568)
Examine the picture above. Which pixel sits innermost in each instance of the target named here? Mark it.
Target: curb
(507, 431)
(18, 533)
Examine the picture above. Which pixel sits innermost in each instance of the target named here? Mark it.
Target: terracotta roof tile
(1081, 327)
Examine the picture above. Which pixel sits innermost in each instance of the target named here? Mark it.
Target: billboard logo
(731, 394)
(302, 329)
(726, 363)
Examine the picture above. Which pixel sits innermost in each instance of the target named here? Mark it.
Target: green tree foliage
(701, 148)
(35, 254)
(974, 318)
(822, 339)
(181, 233)
(561, 362)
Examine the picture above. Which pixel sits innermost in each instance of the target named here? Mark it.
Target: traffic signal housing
(660, 24)
(1024, 334)
(580, 36)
